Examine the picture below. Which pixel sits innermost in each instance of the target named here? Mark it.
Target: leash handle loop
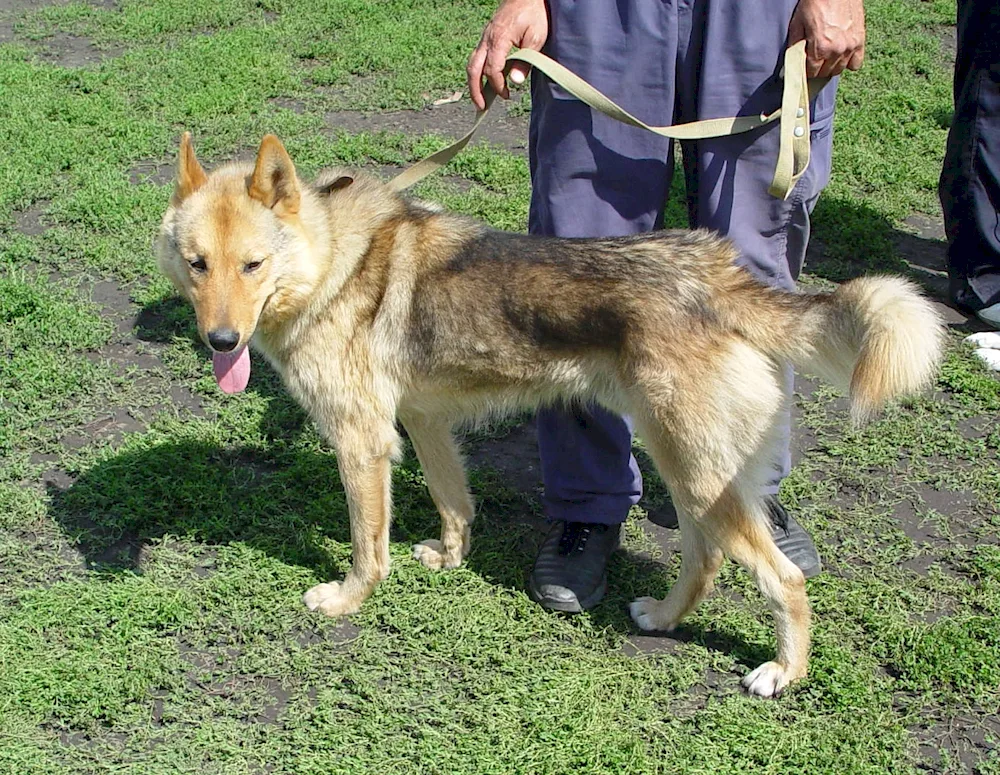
(793, 154)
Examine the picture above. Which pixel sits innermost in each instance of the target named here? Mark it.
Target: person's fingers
(474, 74)
(834, 65)
(857, 59)
(814, 64)
(496, 60)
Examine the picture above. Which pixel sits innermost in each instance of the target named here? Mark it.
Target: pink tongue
(232, 370)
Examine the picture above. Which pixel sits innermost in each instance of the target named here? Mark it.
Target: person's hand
(521, 23)
(834, 32)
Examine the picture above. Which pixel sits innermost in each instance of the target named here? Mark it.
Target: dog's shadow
(290, 505)
(285, 504)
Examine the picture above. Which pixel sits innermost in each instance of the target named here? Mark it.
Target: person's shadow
(851, 239)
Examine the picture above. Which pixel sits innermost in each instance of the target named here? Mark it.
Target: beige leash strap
(793, 155)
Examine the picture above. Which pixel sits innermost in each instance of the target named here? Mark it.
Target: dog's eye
(251, 266)
(198, 264)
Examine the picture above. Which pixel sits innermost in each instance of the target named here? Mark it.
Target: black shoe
(663, 514)
(570, 572)
(966, 300)
(963, 297)
(793, 540)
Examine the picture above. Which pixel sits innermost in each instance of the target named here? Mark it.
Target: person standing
(970, 176)
(666, 61)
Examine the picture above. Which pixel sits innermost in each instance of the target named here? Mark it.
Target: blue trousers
(665, 61)
(970, 177)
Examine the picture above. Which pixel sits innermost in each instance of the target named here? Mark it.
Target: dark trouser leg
(727, 178)
(728, 55)
(970, 178)
(594, 177)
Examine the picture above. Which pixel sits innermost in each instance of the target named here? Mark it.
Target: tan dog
(373, 308)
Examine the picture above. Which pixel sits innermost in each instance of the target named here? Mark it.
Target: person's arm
(521, 23)
(834, 31)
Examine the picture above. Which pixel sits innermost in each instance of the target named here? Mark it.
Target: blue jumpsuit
(665, 61)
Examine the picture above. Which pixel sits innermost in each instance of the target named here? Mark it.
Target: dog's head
(234, 244)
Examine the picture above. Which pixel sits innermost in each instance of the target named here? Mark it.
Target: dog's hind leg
(712, 437)
(748, 541)
(364, 457)
(735, 523)
(739, 525)
(445, 474)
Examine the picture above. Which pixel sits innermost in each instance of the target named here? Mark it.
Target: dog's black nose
(223, 340)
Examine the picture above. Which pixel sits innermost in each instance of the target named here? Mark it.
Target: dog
(375, 308)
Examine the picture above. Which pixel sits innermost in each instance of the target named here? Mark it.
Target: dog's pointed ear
(274, 183)
(190, 175)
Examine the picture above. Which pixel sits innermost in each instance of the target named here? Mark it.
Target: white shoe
(990, 357)
(989, 340)
(987, 344)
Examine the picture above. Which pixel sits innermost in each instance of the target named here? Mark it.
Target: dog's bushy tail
(877, 337)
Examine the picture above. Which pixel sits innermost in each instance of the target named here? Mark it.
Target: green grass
(150, 582)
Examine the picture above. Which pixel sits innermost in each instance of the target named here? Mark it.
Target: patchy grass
(155, 536)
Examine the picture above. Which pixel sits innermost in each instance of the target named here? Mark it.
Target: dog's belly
(469, 393)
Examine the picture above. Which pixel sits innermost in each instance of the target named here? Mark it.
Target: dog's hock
(274, 183)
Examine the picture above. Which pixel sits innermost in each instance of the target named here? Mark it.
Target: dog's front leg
(364, 456)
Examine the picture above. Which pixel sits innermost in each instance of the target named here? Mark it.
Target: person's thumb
(519, 72)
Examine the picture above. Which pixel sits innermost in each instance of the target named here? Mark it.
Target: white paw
(645, 612)
(431, 554)
(768, 680)
(330, 599)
